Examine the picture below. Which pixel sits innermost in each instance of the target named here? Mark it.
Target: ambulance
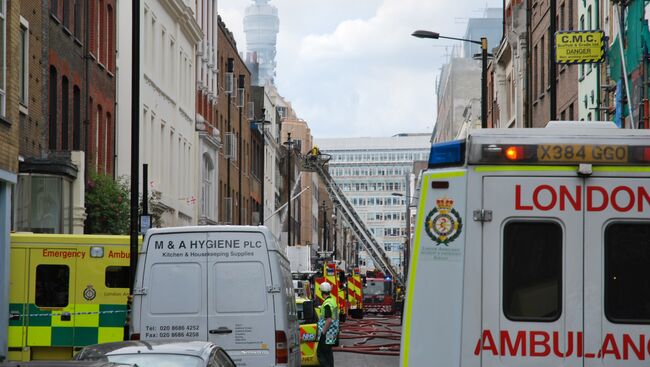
(66, 292)
(532, 248)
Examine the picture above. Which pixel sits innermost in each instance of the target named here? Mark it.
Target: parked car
(158, 353)
(65, 364)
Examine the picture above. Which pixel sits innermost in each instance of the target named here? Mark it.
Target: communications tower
(261, 25)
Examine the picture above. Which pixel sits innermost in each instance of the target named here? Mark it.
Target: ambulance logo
(443, 224)
(90, 293)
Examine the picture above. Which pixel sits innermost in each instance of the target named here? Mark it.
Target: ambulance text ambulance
(532, 248)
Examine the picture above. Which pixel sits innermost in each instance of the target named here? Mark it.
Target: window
(65, 86)
(52, 141)
(66, 13)
(117, 277)
(532, 271)
(627, 273)
(24, 61)
(77, 19)
(76, 118)
(52, 283)
(110, 46)
(542, 60)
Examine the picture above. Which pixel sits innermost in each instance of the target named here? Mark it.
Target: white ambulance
(532, 248)
(230, 285)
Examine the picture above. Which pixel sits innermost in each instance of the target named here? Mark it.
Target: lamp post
(289, 144)
(259, 123)
(484, 57)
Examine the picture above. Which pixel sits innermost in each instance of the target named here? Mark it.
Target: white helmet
(325, 287)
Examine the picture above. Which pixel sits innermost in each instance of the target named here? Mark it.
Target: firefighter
(328, 327)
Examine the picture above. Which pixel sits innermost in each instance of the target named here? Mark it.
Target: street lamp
(289, 144)
(484, 56)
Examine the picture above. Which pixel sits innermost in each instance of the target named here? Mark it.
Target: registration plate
(582, 153)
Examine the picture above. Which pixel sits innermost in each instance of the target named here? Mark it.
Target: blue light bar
(388, 278)
(450, 153)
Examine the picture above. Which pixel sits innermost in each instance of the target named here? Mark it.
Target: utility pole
(289, 144)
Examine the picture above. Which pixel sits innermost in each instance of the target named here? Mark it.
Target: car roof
(201, 349)
(64, 364)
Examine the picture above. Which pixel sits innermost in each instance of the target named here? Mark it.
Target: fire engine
(532, 248)
(378, 293)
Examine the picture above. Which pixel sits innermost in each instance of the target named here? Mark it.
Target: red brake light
(135, 336)
(646, 154)
(281, 347)
(515, 153)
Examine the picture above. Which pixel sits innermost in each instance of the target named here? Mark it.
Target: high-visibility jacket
(333, 331)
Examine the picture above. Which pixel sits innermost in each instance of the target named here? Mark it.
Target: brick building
(234, 78)
(67, 112)
(11, 75)
(540, 56)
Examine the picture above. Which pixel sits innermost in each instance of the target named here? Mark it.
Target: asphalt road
(372, 335)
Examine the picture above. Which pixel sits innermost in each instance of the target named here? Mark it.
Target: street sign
(579, 47)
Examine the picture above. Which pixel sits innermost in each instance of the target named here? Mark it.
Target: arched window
(99, 142)
(65, 116)
(207, 187)
(110, 32)
(101, 33)
(108, 143)
(53, 138)
(76, 118)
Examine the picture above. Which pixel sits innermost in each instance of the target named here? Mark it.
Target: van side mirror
(308, 311)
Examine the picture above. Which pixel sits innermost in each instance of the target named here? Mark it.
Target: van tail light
(646, 154)
(135, 336)
(281, 347)
(514, 153)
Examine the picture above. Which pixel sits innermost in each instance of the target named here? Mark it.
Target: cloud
(355, 70)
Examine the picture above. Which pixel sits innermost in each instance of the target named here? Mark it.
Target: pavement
(367, 338)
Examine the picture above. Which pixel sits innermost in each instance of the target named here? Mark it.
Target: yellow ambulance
(66, 291)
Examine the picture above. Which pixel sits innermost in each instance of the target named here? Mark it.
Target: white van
(532, 248)
(230, 285)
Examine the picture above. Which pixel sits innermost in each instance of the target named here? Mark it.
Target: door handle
(221, 330)
(65, 316)
(14, 316)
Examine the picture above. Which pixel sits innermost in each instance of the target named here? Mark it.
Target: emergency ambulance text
(543, 344)
(64, 254)
(598, 198)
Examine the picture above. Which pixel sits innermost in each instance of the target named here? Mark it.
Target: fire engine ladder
(361, 232)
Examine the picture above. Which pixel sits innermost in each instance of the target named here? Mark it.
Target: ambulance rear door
(617, 271)
(52, 275)
(532, 271)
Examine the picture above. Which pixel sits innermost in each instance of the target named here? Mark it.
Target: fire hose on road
(377, 336)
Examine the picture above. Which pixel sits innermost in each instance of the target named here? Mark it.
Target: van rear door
(240, 302)
(532, 272)
(174, 303)
(617, 277)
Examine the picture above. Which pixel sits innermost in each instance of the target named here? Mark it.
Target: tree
(108, 205)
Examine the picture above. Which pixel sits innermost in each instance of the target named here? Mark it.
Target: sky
(350, 68)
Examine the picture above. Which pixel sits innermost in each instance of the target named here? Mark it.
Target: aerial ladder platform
(315, 162)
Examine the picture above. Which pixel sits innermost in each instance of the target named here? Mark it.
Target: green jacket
(333, 331)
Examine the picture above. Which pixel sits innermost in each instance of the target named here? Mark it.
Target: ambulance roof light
(451, 153)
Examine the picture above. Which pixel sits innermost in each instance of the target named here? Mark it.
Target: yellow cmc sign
(579, 47)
